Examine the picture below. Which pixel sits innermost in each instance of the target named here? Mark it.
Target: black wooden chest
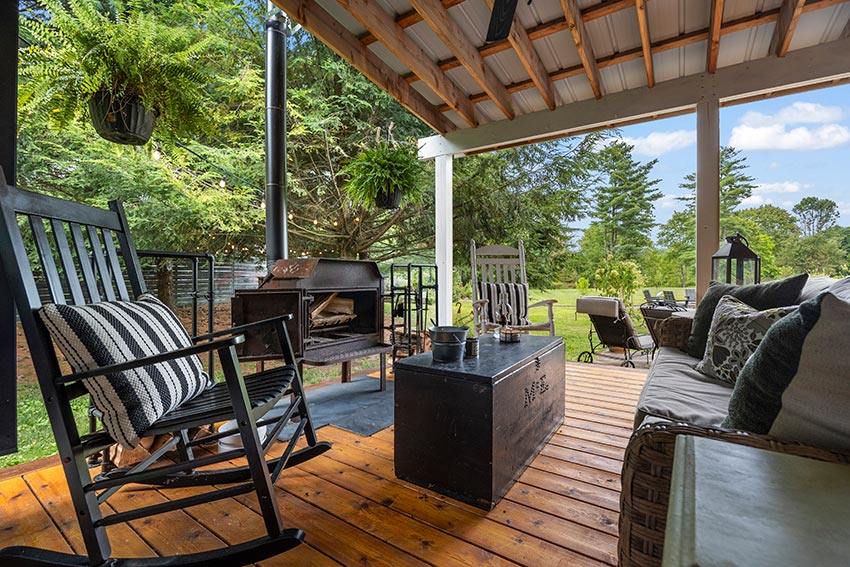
(468, 429)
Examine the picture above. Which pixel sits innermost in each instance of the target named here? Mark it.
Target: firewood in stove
(340, 305)
(321, 302)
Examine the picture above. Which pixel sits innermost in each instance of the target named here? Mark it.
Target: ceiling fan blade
(501, 19)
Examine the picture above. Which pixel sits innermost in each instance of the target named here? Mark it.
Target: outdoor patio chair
(653, 313)
(670, 299)
(612, 326)
(141, 369)
(498, 275)
(648, 296)
(690, 298)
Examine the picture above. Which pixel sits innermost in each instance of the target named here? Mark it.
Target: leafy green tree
(618, 278)
(678, 237)
(815, 215)
(817, 254)
(623, 201)
(773, 221)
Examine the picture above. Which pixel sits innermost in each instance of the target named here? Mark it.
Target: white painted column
(708, 189)
(444, 239)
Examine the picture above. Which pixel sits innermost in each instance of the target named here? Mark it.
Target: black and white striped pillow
(517, 298)
(110, 332)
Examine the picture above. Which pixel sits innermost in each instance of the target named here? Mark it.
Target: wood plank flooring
(563, 511)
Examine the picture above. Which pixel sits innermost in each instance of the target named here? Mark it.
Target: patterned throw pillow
(111, 332)
(796, 387)
(735, 333)
(517, 297)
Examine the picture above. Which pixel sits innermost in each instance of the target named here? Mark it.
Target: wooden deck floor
(562, 511)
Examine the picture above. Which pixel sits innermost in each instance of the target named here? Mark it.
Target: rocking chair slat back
(80, 255)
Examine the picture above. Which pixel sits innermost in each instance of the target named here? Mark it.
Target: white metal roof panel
(473, 16)
(628, 75)
(819, 26)
(614, 34)
(341, 15)
(745, 45)
(558, 51)
(428, 40)
(539, 11)
(426, 91)
(387, 56)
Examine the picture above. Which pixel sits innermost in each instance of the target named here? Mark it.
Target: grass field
(36, 438)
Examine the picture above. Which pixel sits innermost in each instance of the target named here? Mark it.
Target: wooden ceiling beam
(530, 59)
(690, 38)
(645, 41)
(789, 15)
(383, 26)
(582, 40)
(714, 26)
(345, 44)
(450, 32)
(600, 10)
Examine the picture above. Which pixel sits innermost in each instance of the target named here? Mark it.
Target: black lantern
(736, 263)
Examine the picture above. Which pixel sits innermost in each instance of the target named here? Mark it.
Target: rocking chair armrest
(544, 302)
(241, 328)
(154, 359)
(480, 302)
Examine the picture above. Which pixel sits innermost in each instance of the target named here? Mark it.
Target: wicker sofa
(677, 400)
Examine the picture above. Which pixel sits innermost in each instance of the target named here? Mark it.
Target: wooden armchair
(84, 259)
(499, 272)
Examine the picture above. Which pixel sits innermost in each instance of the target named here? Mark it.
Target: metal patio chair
(46, 245)
(498, 275)
(655, 312)
(612, 327)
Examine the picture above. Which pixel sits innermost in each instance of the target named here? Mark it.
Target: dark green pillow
(795, 386)
(760, 297)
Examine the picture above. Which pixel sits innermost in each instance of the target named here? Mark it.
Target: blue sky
(796, 146)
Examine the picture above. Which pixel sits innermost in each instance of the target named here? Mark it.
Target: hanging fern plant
(384, 176)
(83, 57)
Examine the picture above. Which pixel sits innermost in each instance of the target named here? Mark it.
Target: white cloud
(787, 204)
(668, 201)
(658, 143)
(777, 137)
(797, 113)
(780, 187)
(775, 165)
(755, 201)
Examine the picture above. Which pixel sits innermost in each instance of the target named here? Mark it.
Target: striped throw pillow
(517, 297)
(111, 332)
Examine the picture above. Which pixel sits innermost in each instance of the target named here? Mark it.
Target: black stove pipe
(277, 245)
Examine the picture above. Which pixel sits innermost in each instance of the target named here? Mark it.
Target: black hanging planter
(391, 200)
(121, 120)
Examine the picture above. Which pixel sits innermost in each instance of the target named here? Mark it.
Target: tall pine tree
(623, 201)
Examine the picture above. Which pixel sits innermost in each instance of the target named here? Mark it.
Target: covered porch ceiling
(572, 66)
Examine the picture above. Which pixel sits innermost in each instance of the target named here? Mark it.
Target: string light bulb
(315, 222)
(157, 153)
(290, 216)
(222, 183)
(263, 204)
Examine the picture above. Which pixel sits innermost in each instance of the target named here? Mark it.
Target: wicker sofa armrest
(674, 332)
(647, 470)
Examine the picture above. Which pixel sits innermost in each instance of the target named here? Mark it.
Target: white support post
(443, 241)
(708, 189)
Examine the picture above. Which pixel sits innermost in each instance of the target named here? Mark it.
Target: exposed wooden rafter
(690, 38)
(322, 25)
(645, 41)
(582, 40)
(456, 40)
(789, 15)
(528, 56)
(384, 27)
(594, 12)
(714, 35)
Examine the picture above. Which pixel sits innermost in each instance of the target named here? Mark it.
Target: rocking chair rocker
(79, 252)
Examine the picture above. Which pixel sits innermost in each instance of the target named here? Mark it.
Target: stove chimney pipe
(277, 30)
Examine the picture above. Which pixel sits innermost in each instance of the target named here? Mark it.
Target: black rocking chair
(85, 255)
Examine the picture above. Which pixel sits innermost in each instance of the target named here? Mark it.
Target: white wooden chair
(499, 271)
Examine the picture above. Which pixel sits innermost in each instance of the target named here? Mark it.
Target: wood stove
(337, 307)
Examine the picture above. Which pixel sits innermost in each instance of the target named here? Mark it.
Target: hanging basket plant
(122, 120)
(132, 73)
(384, 176)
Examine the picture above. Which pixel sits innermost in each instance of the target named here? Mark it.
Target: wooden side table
(733, 505)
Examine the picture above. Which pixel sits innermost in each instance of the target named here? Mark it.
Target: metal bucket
(448, 334)
(448, 343)
(447, 352)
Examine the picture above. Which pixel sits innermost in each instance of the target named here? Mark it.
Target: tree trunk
(165, 282)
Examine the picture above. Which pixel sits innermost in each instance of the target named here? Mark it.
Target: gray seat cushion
(675, 391)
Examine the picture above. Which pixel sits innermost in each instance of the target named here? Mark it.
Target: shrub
(618, 278)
